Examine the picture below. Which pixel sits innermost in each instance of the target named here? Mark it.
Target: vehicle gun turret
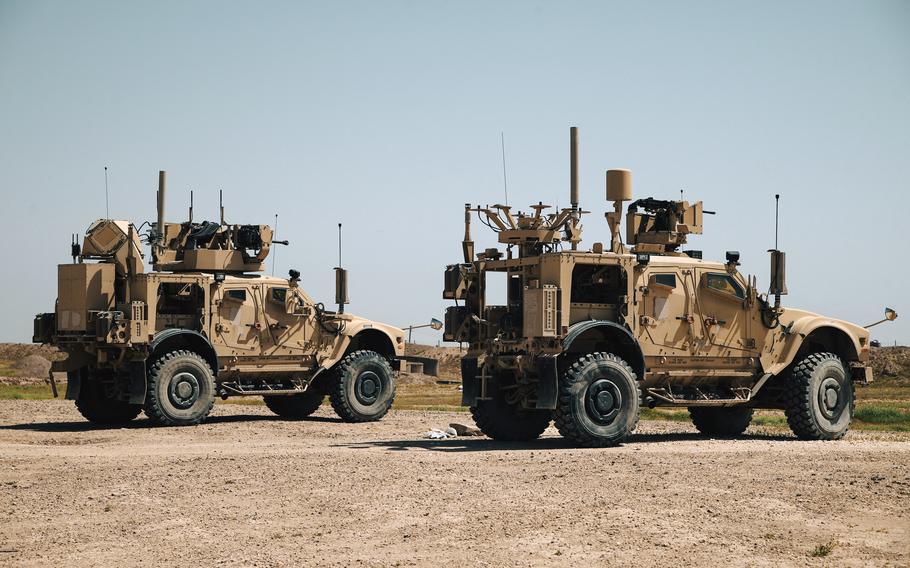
(207, 246)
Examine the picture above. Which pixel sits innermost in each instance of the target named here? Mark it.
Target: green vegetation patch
(29, 392)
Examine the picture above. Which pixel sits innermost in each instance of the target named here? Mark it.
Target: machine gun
(662, 225)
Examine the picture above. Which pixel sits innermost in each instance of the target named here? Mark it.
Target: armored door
(237, 321)
(289, 322)
(724, 317)
(666, 326)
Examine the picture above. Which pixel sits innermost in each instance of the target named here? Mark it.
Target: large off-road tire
(363, 387)
(181, 389)
(723, 421)
(298, 406)
(100, 406)
(599, 401)
(818, 398)
(506, 422)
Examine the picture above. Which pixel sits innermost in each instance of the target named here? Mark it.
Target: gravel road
(248, 489)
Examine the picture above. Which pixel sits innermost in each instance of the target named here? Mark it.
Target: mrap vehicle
(588, 335)
(205, 323)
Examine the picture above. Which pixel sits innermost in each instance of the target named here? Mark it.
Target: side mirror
(890, 315)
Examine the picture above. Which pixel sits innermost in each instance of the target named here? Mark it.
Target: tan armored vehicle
(588, 334)
(203, 324)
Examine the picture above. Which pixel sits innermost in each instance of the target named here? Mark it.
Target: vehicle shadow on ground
(139, 424)
(472, 444)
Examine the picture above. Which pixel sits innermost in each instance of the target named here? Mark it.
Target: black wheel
(296, 406)
(99, 404)
(363, 387)
(505, 420)
(720, 421)
(599, 401)
(181, 389)
(818, 398)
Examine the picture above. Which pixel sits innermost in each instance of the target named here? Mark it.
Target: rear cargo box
(82, 288)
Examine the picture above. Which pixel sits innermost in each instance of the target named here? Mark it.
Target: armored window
(726, 284)
(278, 295)
(668, 280)
(597, 284)
(237, 295)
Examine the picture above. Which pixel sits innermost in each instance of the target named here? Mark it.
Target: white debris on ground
(453, 431)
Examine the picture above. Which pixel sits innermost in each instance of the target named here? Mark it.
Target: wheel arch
(372, 339)
(816, 336)
(583, 337)
(174, 339)
(600, 335)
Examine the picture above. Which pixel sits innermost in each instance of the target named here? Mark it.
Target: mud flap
(137, 382)
(470, 382)
(547, 379)
(73, 385)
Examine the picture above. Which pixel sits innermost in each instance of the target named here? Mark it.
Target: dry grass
(823, 550)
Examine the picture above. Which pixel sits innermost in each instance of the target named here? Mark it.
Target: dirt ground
(248, 489)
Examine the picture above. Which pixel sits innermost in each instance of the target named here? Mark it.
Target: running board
(226, 390)
(741, 395)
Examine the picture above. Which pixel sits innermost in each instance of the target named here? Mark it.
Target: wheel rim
(830, 398)
(183, 390)
(603, 401)
(367, 387)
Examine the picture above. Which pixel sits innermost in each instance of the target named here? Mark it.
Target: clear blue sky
(387, 116)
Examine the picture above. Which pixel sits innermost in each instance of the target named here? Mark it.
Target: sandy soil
(247, 489)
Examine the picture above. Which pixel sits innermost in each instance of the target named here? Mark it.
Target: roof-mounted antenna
(776, 215)
(191, 206)
(107, 209)
(505, 184)
(221, 204)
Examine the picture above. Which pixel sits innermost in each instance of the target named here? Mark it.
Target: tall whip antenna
(505, 184)
(275, 254)
(339, 245)
(776, 213)
(107, 208)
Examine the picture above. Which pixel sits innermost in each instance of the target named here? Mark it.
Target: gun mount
(212, 247)
(207, 246)
(661, 226)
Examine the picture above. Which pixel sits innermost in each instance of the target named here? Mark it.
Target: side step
(741, 395)
(226, 390)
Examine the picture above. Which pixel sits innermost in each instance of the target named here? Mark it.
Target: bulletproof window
(726, 284)
(278, 295)
(597, 284)
(237, 295)
(668, 280)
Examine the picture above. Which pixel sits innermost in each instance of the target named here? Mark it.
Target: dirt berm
(249, 489)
